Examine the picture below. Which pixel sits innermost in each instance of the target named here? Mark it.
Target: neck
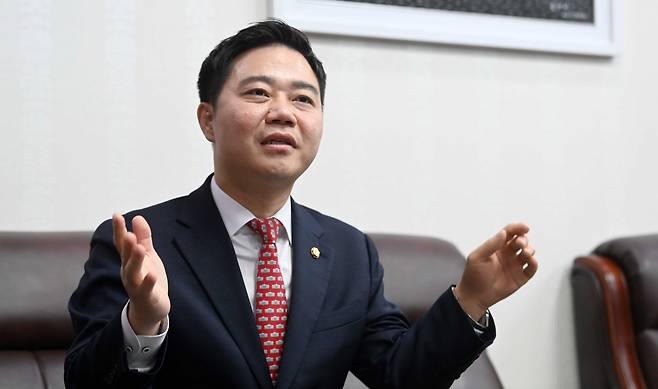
(261, 200)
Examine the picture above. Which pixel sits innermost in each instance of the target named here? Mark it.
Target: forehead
(276, 61)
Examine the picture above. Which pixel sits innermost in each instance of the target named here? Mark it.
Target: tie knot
(268, 229)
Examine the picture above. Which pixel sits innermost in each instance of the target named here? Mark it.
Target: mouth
(279, 139)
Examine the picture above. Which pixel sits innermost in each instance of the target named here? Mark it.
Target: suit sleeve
(97, 357)
(432, 353)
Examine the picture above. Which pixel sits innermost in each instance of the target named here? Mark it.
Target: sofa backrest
(417, 270)
(38, 273)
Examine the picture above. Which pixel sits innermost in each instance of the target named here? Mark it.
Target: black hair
(217, 65)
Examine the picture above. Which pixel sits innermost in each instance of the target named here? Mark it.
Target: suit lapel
(207, 248)
(310, 279)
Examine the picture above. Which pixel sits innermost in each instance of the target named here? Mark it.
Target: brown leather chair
(417, 270)
(39, 271)
(615, 294)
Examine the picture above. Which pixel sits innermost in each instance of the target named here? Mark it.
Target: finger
(492, 245)
(513, 246)
(128, 246)
(532, 267)
(143, 232)
(118, 232)
(523, 256)
(133, 270)
(516, 229)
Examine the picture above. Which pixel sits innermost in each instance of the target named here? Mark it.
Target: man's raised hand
(496, 269)
(142, 274)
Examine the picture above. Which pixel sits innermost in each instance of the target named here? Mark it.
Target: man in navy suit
(191, 293)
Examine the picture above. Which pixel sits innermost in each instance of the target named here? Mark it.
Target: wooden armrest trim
(619, 319)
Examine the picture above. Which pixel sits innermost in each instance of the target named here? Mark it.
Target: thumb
(142, 232)
(489, 247)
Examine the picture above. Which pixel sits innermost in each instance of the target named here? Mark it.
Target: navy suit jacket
(338, 319)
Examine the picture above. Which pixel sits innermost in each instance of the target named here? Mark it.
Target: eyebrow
(297, 84)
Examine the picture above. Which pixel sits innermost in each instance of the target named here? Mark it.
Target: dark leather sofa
(615, 294)
(39, 271)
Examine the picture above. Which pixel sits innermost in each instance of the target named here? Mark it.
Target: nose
(280, 114)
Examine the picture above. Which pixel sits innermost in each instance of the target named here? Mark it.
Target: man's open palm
(142, 274)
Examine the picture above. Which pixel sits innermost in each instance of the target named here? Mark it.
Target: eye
(258, 92)
(305, 99)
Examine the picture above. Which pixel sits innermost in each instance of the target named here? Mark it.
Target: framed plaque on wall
(587, 27)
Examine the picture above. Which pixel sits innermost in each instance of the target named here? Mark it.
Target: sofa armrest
(607, 355)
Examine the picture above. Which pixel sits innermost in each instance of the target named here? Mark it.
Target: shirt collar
(235, 216)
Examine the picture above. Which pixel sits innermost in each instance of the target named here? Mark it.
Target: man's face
(267, 122)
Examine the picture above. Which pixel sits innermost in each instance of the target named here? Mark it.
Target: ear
(205, 113)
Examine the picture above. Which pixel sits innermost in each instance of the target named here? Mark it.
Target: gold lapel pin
(315, 252)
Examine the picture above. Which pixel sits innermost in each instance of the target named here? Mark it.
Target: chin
(282, 173)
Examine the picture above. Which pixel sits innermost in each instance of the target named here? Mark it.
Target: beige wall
(98, 101)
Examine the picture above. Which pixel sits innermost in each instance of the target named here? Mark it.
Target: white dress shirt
(142, 350)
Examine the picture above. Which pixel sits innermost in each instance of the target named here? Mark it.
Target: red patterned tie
(271, 308)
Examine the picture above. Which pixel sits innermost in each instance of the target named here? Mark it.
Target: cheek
(311, 125)
(318, 137)
(313, 137)
(236, 121)
(235, 125)
(316, 133)
(244, 119)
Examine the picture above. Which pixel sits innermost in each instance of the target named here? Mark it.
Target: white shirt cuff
(479, 326)
(142, 350)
